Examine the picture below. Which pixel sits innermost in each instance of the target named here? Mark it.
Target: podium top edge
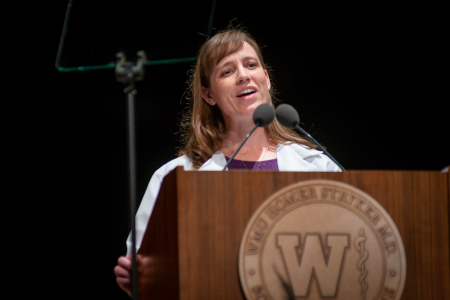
(444, 170)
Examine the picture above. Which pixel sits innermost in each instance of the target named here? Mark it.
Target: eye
(226, 72)
(252, 64)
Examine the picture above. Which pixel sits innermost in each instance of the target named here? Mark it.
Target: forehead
(245, 52)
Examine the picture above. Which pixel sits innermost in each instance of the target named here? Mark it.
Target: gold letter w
(312, 261)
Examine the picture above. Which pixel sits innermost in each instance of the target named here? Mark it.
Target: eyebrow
(244, 59)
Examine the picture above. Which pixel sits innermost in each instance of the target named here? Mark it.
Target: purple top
(265, 165)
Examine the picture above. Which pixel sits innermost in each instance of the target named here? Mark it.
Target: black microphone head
(263, 114)
(287, 116)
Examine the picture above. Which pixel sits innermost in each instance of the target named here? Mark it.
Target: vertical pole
(211, 18)
(132, 183)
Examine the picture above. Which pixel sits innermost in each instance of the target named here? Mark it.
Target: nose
(243, 75)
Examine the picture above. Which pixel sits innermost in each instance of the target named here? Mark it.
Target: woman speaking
(229, 82)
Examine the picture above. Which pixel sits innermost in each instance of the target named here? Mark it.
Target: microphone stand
(240, 146)
(127, 74)
(320, 146)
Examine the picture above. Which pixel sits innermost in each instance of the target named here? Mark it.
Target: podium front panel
(213, 208)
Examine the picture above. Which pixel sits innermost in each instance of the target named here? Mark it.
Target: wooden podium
(190, 249)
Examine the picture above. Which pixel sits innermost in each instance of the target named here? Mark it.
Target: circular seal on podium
(321, 239)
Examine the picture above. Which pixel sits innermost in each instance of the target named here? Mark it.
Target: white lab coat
(292, 158)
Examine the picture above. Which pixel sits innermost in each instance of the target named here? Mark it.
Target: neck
(256, 144)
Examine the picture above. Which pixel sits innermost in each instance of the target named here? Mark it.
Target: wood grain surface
(158, 256)
(195, 231)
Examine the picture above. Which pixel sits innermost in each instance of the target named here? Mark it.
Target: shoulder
(305, 159)
(157, 177)
(183, 161)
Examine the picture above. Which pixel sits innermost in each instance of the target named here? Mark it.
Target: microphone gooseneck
(262, 117)
(288, 117)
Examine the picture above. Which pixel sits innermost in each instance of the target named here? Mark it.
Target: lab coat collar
(215, 163)
(289, 157)
(293, 157)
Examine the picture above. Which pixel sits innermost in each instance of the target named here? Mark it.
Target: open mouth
(246, 92)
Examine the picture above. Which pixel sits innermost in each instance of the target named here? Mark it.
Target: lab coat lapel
(292, 158)
(215, 163)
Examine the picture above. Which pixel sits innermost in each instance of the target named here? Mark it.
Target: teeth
(246, 91)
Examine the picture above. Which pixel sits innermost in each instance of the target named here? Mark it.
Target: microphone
(288, 117)
(262, 117)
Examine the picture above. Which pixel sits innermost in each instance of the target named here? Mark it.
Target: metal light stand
(128, 74)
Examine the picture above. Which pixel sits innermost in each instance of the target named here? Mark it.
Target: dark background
(369, 82)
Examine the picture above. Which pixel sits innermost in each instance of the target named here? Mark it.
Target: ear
(267, 79)
(206, 94)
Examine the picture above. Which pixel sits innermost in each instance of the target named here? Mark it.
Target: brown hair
(202, 127)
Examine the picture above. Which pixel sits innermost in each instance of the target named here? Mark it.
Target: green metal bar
(63, 35)
(113, 65)
(170, 61)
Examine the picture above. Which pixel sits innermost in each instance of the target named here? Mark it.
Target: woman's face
(238, 84)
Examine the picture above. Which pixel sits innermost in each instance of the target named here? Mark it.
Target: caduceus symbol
(359, 243)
